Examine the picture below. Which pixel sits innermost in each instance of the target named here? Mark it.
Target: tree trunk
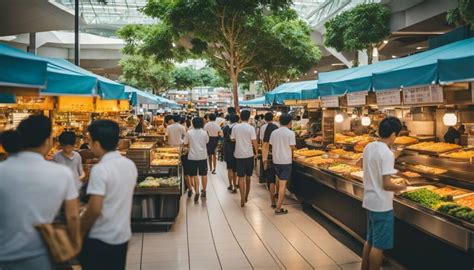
(235, 92)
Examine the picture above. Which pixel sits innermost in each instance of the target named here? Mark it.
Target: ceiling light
(385, 41)
(339, 118)
(366, 121)
(450, 119)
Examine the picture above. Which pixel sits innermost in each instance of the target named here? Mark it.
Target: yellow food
(404, 140)
(428, 169)
(308, 153)
(434, 147)
(461, 154)
(445, 191)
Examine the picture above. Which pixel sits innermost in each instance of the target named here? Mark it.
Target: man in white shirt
(214, 131)
(378, 165)
(107, 217)
(175, 132)
(283, 142)
(245, 153)
(197, 139)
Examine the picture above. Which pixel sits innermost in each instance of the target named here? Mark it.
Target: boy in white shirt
(196, 139)
(283, 142)
(245, 153)
(378, 165)
(107, 217)
(214, 131)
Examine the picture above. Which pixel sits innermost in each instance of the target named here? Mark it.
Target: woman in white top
(196, 139)
(32, 191)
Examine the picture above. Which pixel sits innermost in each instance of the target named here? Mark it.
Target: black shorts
(270, 173)
(283, 171)
(197, 167)
(185, 163)
(244, 166)
(212, 145)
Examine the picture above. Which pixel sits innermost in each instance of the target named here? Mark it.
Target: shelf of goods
(334, 186)
(159, 185)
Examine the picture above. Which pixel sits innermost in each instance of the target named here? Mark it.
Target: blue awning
(253, 102)
(141, 97)
(293, 91)
(21, 69)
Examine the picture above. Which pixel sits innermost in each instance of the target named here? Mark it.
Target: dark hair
(32, 132)
(67, 138)
(388, 126)
(285, 119)
(231, 110)
(212, 117)
(106, 132)
(177, 118)
(234, 118)
(198, 122)
(268, 116)
(168, 117)
(245, 115)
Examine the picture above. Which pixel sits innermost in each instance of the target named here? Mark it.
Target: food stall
(434, 225)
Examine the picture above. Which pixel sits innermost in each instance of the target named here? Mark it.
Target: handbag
(61, 247)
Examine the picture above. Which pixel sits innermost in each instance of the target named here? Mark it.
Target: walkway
(219, 234)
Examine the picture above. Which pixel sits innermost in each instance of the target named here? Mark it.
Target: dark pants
(98, 255)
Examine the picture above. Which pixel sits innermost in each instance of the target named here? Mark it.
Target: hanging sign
(388, 97)
(423, 94)
(75, 104)
(356, 99)
(330, 101)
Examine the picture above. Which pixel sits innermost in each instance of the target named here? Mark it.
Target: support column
(32, 45)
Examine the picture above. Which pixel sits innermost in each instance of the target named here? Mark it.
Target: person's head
(33, 134)
(389, 129)
(67, 140)
(177, 118)
(268, 117)
(285, 120)
(245, 115)
(212, 117)
(198, 122)
(231, 110)
(104, 136)
(169, 119)
(234, 118)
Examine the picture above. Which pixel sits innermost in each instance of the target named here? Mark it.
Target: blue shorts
(380, 229)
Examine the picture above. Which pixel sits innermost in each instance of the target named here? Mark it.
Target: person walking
(267, 159)
(229, 148)
(245, 153)
(378, 165)
(214, 131)
(32, 191)
(283, 142)
(106, 222)
(196, 139)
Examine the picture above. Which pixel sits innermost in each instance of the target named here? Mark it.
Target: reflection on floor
(218, 234)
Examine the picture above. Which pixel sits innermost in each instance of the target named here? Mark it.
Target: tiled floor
(218, 234)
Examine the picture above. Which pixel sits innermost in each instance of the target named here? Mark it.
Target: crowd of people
(33, 190)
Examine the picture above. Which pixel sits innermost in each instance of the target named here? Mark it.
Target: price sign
(388, 97)
(330, 101)
(423, 94)
(356, 99)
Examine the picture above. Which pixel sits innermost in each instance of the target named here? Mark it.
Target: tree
(360, 28)
(145, 73)
(462, 15)
(285, 49)
(222, 31)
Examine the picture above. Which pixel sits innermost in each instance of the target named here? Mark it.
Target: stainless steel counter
(422, 218)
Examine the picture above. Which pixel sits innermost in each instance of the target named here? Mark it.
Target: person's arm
(388, 185)
(92, 213)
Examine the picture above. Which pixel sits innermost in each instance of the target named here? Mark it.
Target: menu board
(330, 101)
(356, 99)
(388, 97)
(328, 129)
(423, 94)
(75, 104)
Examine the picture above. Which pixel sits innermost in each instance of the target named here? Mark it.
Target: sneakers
(203, 194)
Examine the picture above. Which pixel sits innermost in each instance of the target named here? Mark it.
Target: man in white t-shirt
(106, 220)
(245, 153)
(379, 166)
(175, 132)
(196, 139)
(215, 132)
(283, 142)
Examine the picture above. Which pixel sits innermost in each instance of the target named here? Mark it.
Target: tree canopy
(360, 28)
